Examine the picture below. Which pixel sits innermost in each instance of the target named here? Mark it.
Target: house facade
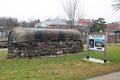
(113, 27)
(113, 30)
(85, 23)
(54, 24)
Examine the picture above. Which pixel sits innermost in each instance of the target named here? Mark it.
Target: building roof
(59, 22)
(48, 23)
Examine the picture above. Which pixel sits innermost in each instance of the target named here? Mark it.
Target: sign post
(105, 51)
(87, 54)
(97, 42)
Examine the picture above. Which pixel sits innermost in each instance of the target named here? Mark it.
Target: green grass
(69, 67)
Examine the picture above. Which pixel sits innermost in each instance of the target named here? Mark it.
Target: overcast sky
(44, 9)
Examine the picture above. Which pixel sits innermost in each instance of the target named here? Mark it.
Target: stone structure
(3, 43)
(34, 42)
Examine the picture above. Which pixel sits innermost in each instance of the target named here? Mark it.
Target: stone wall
(3, 43)
(36, 48)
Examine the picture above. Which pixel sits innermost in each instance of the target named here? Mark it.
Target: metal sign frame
(97, 42)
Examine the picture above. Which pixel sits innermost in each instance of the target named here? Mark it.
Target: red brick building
(83, 24)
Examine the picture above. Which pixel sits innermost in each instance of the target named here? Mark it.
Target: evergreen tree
(98, 25)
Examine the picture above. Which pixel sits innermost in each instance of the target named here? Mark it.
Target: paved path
(111, 76)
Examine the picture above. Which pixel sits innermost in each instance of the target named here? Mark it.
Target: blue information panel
(97, 42)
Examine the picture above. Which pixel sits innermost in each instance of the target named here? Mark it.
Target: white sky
(44, 9)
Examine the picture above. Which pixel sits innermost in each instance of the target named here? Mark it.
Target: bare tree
(116, 5)
(72, 9)
(31, 23)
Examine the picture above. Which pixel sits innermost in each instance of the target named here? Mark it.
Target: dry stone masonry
(32, 42)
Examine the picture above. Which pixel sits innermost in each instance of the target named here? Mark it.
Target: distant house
(54, 24)
(44, 24)
(83, 24)
(113, 30)
(113, 27)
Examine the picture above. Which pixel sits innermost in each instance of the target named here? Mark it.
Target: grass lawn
(69, 67)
